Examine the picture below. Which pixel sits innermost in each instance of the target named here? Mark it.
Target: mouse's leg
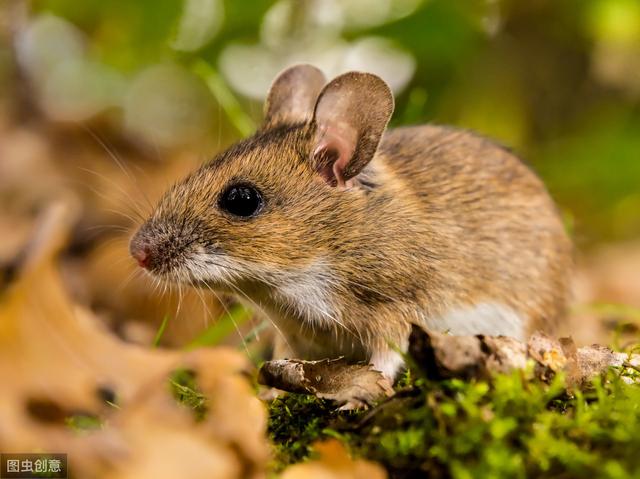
(388, 361)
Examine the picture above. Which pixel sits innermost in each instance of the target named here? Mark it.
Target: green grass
(161, 330)
(514, 426)
(223, 327)
(225, 97)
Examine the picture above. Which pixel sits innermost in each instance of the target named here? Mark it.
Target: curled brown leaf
(350, 385)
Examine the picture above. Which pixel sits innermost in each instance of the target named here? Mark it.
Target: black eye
(241, 200)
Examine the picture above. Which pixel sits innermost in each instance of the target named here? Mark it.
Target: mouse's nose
(141, 252)
(142, 256)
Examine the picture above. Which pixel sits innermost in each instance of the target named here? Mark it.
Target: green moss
(83, 423)
(185, 390)
(512, 427)
(295, 422)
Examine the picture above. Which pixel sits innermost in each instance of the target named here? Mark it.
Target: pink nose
(142, 256)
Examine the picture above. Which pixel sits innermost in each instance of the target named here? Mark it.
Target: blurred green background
(556, 80)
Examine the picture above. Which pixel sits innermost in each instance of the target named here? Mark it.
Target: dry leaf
(351, 385)
(57, 361)
(458, 356)
(445, 356)
(334, 463)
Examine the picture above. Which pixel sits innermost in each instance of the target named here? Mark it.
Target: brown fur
(439, 218)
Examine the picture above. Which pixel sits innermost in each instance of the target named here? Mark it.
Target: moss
(514, 426)
(82, 423)
(184, 388)
(295, 422)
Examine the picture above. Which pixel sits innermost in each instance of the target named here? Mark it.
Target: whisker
(238, 291)
(110, 227)
(118, 162)
(130, 277)
(259, 308)
(207, 315)
(235, 324)
(137, 210)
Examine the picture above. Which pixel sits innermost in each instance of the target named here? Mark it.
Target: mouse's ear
(293, 95)
(351, 115)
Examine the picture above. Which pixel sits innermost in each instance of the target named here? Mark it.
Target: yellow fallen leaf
(334, 463)
(57, 361)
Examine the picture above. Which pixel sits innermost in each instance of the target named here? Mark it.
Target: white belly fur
(482, 318)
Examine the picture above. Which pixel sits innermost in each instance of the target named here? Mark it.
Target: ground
(512, 426)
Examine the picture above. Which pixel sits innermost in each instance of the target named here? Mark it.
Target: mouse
(344, 232)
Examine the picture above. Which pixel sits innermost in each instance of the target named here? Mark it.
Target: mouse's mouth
(180, 258)
(211, 270)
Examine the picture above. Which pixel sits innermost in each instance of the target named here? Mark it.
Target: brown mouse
(344, 234)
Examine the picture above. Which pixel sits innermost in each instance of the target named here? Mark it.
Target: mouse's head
(279, 201)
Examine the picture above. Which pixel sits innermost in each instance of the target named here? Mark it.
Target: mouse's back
(496, 227)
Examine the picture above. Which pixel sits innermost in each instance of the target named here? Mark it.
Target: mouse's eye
(241, 200)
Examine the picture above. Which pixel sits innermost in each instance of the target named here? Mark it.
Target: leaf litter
(57, 362)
